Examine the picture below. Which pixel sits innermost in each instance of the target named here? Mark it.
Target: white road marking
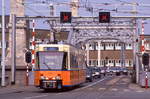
(114, 89)
(33, 97)
(40, 96)
(92, 84)
(139, 91)
(102, 89)
(122, 83)
(126, 90)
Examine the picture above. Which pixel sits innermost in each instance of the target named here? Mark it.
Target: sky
(99, 5)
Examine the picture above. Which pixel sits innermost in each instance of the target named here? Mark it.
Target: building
(109, 53)
(112, 53)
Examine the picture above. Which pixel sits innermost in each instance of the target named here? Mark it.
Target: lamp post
(3, 43)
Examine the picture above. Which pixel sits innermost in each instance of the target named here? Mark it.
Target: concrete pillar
(87, 54)
(99, 54)
(17, 8)
(74, 8)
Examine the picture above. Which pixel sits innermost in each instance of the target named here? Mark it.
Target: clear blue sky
(44, 10)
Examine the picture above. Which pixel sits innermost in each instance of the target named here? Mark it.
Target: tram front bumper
(51, 84)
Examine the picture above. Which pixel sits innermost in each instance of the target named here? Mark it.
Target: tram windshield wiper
(47, 66)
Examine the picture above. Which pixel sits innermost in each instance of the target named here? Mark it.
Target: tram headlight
(58, 78)
(42, 77)
(54, 78)
(46, 78)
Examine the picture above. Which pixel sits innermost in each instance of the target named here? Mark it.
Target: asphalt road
(110, 87)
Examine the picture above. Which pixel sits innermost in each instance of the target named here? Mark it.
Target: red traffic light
(104, 17)
(65, 17)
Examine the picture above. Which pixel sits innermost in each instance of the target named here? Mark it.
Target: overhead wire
(31, 9)
(88, 5)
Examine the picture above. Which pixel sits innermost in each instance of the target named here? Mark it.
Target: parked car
(89, 74)
(103, 70)
(124, 71)
(115, 70)
(108, 70)
(118, 71)
(97, 72)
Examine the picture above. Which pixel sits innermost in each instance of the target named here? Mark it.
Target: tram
(59, 66)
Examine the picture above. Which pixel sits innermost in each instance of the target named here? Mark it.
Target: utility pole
(13, 50)
(3, 43)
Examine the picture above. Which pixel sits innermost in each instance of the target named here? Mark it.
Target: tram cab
(58, 66)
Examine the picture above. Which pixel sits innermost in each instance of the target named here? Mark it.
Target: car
(108, 70)
(97, 72)
(89, 74)
(103, 70)
(124, 71)
(114, 70)
(118, 71)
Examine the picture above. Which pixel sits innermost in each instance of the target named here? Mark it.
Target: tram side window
(74, 63)
(65, 62)
(37, 61)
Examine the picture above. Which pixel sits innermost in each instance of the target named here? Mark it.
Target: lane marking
(101, 89)
(32, 97)
(126, 90)
(140, 91)
(114, 89)
(113, 81)
(40, 96)
(92, 84)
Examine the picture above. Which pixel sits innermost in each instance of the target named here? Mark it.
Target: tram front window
(51, 60)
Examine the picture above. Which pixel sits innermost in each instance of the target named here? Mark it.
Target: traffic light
(28, 57)
(104, 17)
(65, 17)
(145, 59)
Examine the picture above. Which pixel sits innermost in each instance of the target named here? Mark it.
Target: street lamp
(3, 44)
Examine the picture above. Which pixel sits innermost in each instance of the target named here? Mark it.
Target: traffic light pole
(3, 44)
(13, 49)
(27, 75)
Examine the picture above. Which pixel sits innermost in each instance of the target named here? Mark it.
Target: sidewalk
(16, 89)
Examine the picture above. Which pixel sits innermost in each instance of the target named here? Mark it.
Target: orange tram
(59, 66)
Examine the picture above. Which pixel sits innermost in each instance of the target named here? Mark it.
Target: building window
(129, 62)
(94, 62)
(102, 62)
(119, 61)
(130, 45)
(90, 62)
(109, 61)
